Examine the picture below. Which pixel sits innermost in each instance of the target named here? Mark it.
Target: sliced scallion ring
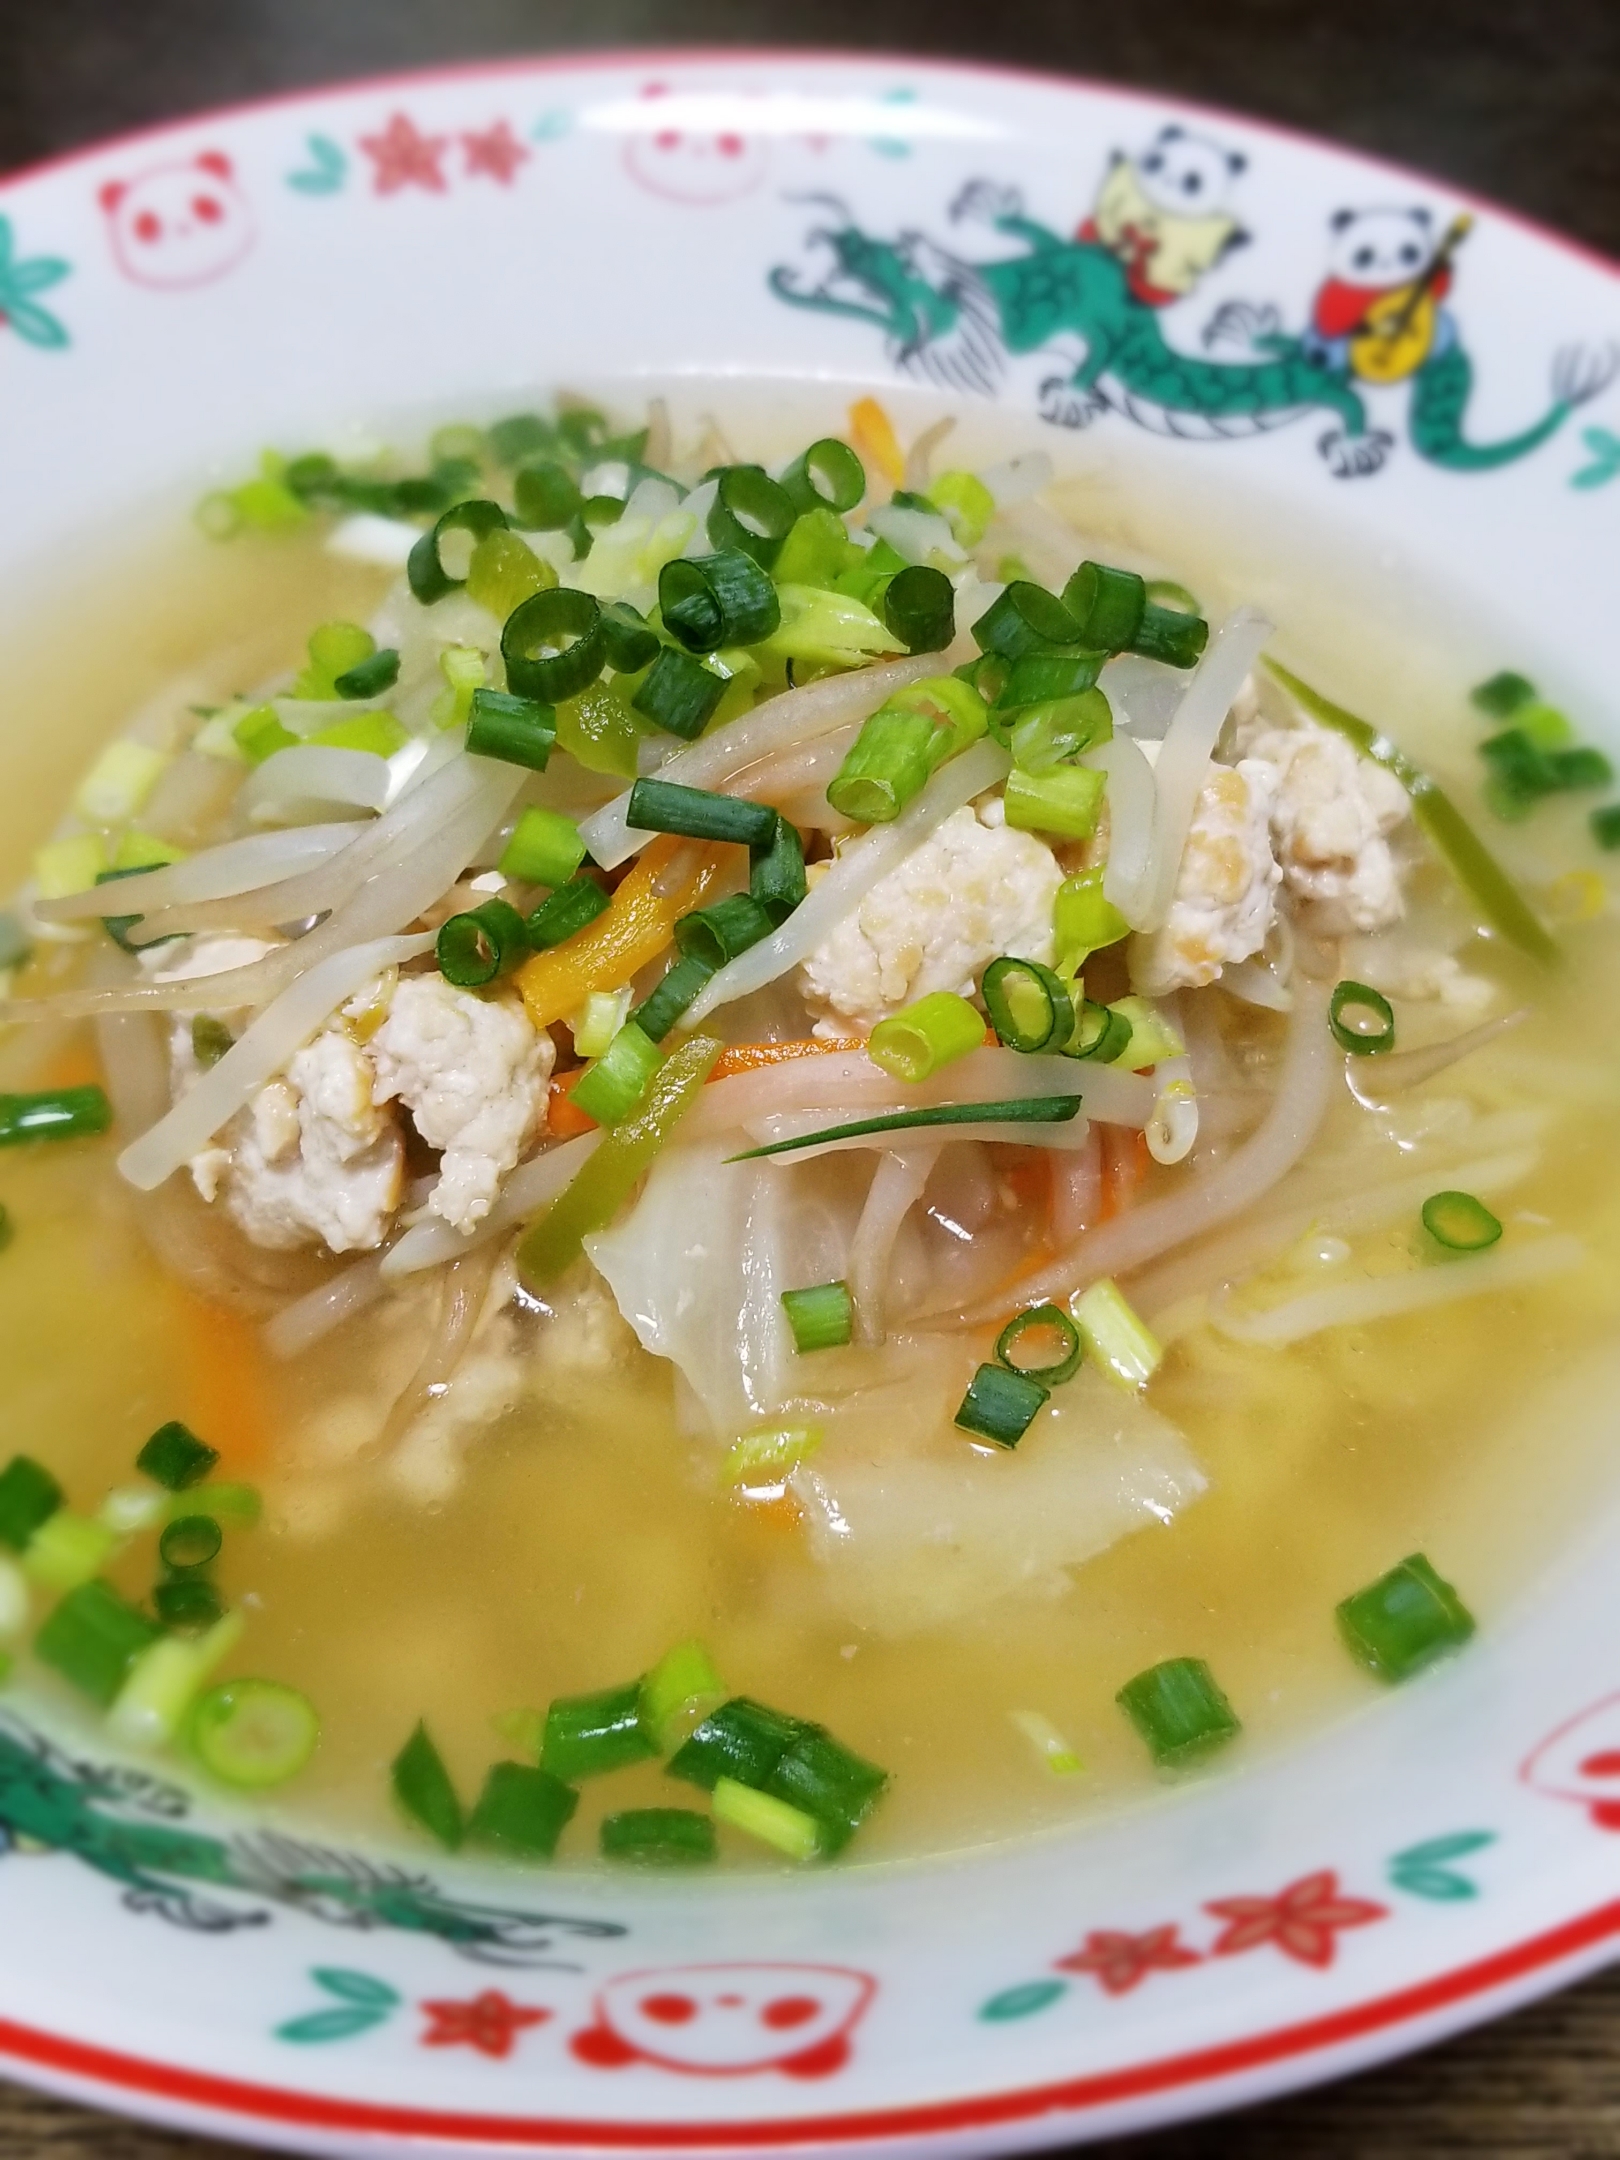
(190, 1541)
(1000, 1405)
(1356, 999)
(1099, 1033)
(1054, 1319)
(1026, 618)
(554, 644)
(424, 567)
(751, 511)
(723, 929)
(1029, 1008)
(254, 1733)
(720, 599)
(919, 606)
(1459, 1222)
(473, 949)
(829, 475)
(545, 494)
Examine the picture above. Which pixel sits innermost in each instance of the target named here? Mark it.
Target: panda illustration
(1374, 256)
(1164, 213)
(178, 224)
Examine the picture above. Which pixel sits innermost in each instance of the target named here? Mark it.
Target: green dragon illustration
(956, 322)
(94, 1812)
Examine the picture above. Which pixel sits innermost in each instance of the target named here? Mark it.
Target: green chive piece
(831, 1784)
(611, 1088)
(1042, 737)
(1179, 1711)
(517, 730)
(423, 1789)
(334, 647)
(919, 606)
(259, 734)
(1459, 1222)
(751, 511)
(1605, 824)
(1067, 801)
(1107, 605)
(761, 1815)
(679, 1692)
(424, 568)
(519, 436)
(67, 1549)
(379, 671)
(210, 1039)
(719, 599)
(888, 764)
(1027, 618)
(1001, 1405)
(92, 1639)
(188, 1602)
(522, 1811)
(1119, 1342)
(545, 494)
(190, 1542)
(589, 1735)
(828, 475)
(1029, 1007)
(1084, 919)
(1100, 1033)
(486, 942)
(938, 1029)
(174, 1457)
(546, 848)
(1404, 1621)
(631, 643)
(1502, 694)
(1017, 1110)
(776, 876)
(658, 1013)
(29, 1496)
(1363, 1005)
(662, 806)
(554, 645)
(566, 911)
(817, 551)
(723, 929)
(257, 1733)
(1046, 678)
(679, 694)
(822, 1317)
(1042, 1319)
(659, 1837)
(70, 1113)
(767, 1456)
(743, 1740)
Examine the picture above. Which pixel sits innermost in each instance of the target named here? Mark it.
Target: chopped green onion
(1046, 678)
(429, 579)
(719, 932)
(231, 1503)
(504, 572)
(1179, 1711)
(919, 606)
(1404, 1621)
(765, 1458)
(751, 511)
(1044, 736)
(659, 1837)
(925, 1037)
(118, 927)
(720, 599)
(1459, 1222)
(545, 494)
(817, 551)
(1084, 919)
(517, 730)
(174, 1457)
(190, 1541)
(519, 436)
(486, 942)
(92, 1639)
(889, 762)
(773, 1822)
(679, 694)
(743, 1740)
(29, 1496)
(831, 1784)
(1026, 618)
(776, 876)
(546, 848)
(681, 1690)
(70, 1113)
(631, 643)
(1115, 613)
(661, 806)
(1001, 1404)
(1471, 862)
(1029, 1008)
(594, 1024)
(1052, 1320)
(1360, 1039)
(965, 503)
(1605, 825)
(334, 647)
(1171, 595)
(163, 1682)
(1100, 1033)
(1115, 1338)
(210, 1039)
(828, 474)
(378, 732)
(423, 1789)
(599, 731)
(1502, 694)
(565, 912)
(187, 1602)
(554, 645)
(1049, 1744)
(1152, 1038)
(620, 1161)
(1017, 1110)
(611, 1088)
(67, 1549)
(522, 1811)
(821, 1317)
(1065, 800)
(658, 1013)
(259, 734)
(258, 1733)
(524, 1730)
(379, 671)
(589, 1735)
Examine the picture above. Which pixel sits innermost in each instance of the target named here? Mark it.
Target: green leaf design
(35, 325)
(327, 169)
(1420, 1870)
(1455, 1847)
(323, 2025)
(355, 1987)
(1024, 2001)
(1437, 1883)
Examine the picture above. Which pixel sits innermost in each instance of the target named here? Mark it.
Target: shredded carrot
(873, 435)
(225, 1394)
(564, 1118)
(638, 923)
(1125, 1161)
(754, 1056)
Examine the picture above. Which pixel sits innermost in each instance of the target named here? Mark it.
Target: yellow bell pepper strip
(1471, 862)
(671, 879)
(872, 433)
(611, 1173)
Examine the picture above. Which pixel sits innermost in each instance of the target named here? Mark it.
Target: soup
(588, 823)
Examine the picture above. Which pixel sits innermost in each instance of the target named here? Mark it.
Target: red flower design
(1122, 1961)
(1302, 1920)
(496, 151)
(489, 2022)
(405, 157)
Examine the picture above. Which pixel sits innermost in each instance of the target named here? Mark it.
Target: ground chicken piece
(971, 892)
(1328, 824)
(473, 1074)
(1225, 897)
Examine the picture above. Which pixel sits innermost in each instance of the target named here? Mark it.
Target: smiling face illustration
(180, 224)
(703, 167)
(727, 2020)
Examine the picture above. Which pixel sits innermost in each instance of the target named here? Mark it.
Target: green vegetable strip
(174, 1457)
(1179, 1710)
(611, 1174)
(1018, 1110)
(659, 1013)
(71, 1113)
(29, 1496)
(589, 1735)
(566, 910)
(92, 1639)
(554, 645)
(423, 1789)
(1053, 1319)
(1001, 1404)
(659, 1837)
(517, 730)
(522, 1811)
(611, 1088)
(662, 806)
(679, 694)
(475, 948)
(1404, 1621)
(1473, 865)
(821, 1317)
(776, 876)
(1459, 1222)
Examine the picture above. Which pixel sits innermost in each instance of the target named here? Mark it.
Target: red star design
(405, 157)
(1303, 1920)
(1122, 1961)
(496, 151)
(489, 2022)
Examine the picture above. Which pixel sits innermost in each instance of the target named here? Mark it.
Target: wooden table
(1515, 98)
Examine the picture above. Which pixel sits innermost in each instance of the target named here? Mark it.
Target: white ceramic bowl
(472, 240)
